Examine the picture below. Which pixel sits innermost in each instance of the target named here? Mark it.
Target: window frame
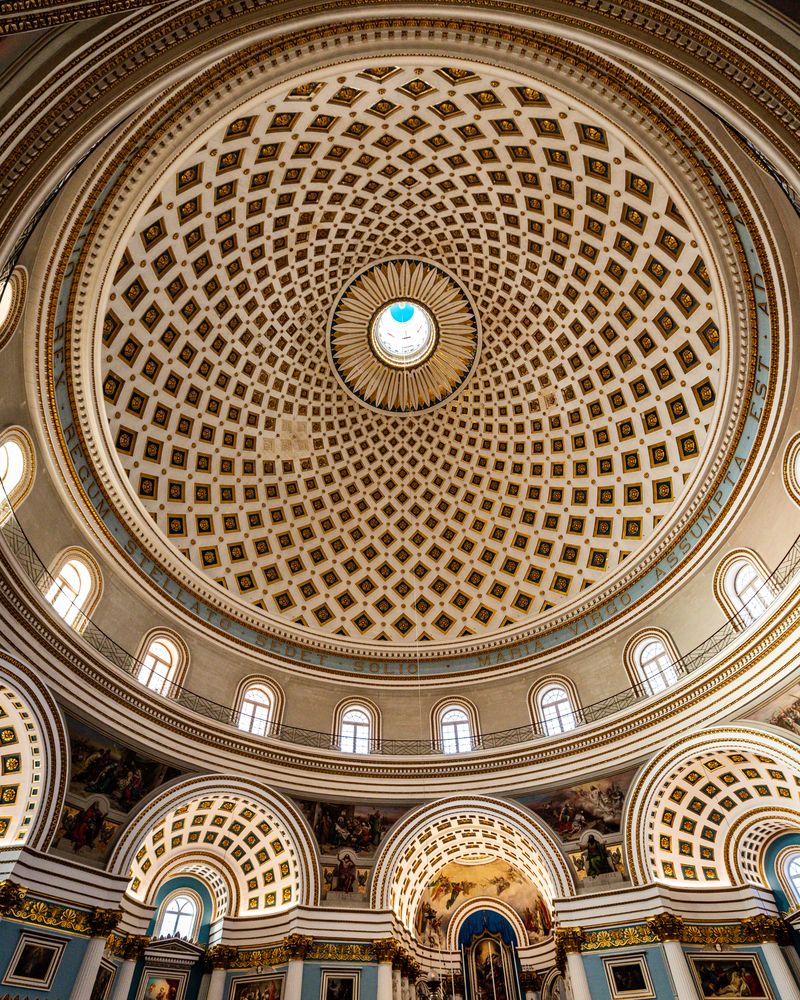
(537, 693)
(177, 673)
(359, 744)
(633, 662)
(441, 742)
(195, 899)
(11, 500)
(729, 600)
(81, 612)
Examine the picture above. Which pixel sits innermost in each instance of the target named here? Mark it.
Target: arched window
(742, 587)
(75, 588)
(555, 709)
(160, 664)
(791, 468)
(455, 731)
(16, 469)
(356, 730)
(792, 870)
(12, 299)
(256, 710)
(179, 916)
(653, 661)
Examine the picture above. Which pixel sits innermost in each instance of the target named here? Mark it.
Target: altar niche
(488, 946)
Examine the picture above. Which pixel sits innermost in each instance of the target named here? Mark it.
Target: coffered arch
(33, 747)
(458, 828)
(703, 809)
(253, 837)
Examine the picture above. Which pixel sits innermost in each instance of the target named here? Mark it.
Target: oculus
(403, 336)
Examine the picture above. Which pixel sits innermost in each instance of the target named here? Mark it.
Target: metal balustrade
(33, 567)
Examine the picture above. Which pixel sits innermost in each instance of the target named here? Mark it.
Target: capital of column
(570, 939)
(133, 946)
(11, 895)
(297, 946)
(764, 928)
(666, 927)
(530, 980)
(413, 969)
(385, 949)
(221, 956)
(102, 922)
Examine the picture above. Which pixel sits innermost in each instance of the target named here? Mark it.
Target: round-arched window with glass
(179, 917)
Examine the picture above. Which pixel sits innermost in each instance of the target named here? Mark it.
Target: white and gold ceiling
(266, 457)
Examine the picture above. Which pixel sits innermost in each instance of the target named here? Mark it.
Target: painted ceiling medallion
(403, 335)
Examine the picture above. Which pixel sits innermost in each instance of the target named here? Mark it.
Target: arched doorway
(489, 961)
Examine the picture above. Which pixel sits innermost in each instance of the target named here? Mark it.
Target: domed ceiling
(568, 431)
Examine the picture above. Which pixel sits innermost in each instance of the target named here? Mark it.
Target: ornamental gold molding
(15, 904)
(667, 927)
(128, 947)
(385, 949)
(298, 946)
(319, 951)
(221, 956)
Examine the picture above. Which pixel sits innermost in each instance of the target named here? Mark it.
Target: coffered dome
(547, 430)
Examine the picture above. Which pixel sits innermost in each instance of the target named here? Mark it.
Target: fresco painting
(456, 883)
(107, 780)
(360, 828)
(783, 711)
(595, 805)
(597, 858)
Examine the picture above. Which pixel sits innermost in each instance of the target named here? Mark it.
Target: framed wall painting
(629, 978)
(739, 974)
(161, 984)
(105, 979)
(256, 988)
(339, 984)
(35, 961)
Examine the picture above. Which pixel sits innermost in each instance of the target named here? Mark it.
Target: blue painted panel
(596, 973)
(61, 988)
(312, 978)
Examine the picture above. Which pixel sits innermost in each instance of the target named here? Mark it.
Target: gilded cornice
(665, 927)
(15, 904)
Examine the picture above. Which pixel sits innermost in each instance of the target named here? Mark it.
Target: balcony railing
(33, 567)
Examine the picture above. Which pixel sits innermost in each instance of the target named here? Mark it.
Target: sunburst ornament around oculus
(403, 335)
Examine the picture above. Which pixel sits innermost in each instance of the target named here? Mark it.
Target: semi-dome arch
(702, 809)
(34, 733)
(230, 812)
(459, 827)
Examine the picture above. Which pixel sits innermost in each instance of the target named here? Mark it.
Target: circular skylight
(403, 333)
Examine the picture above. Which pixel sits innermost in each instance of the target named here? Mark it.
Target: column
(101, 924)
(130, 950)
(668, 929)
(397, 983)
(219, 959)
(385, 950)
(568, 942)
(768, 932)
(297, 948)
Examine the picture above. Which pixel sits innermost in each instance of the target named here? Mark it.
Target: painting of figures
(359, 828)
(107, 781)
(256, 988)
(733, 975)
(597, 859)
(783, 711)
(88, 832)
(456, 883)
(102, 767)
(596, 805)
